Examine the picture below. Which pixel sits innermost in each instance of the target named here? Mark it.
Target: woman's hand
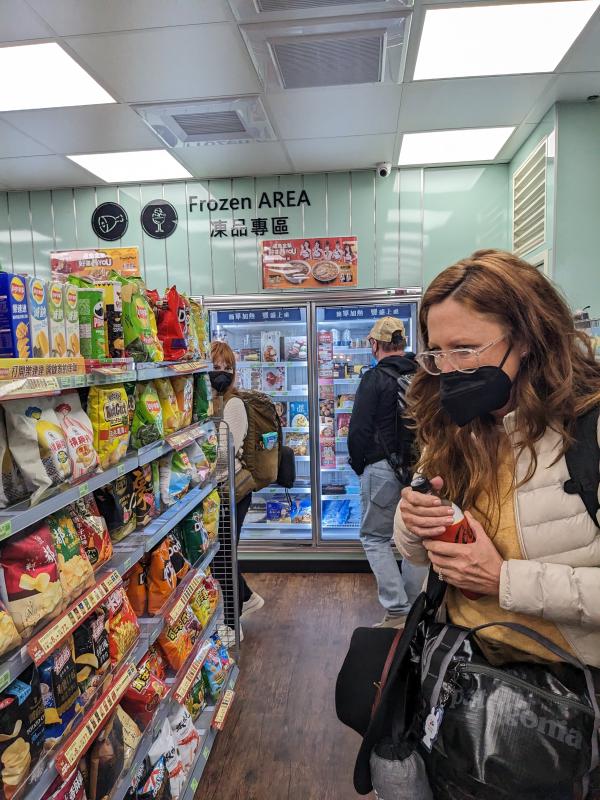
(424, 514)
(474, 567)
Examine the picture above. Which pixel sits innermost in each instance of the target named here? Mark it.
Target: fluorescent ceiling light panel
(499, 39)
(45, 76)
(448, 147)
(133, 167)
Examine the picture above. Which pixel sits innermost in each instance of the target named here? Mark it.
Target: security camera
(384, 169)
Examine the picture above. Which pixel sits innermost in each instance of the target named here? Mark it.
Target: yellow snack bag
(168, 404)
(108, 410)
(183, 387)
(210, 514)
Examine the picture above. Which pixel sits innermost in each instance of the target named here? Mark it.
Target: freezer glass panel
(343, 355)
(270, 345)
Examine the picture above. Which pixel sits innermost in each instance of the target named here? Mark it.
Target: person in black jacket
(377, 434)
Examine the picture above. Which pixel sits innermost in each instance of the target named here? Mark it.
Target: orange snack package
(134, 582)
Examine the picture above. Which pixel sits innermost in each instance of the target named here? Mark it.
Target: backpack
(583, 458)
(262, 464)
(402, 460)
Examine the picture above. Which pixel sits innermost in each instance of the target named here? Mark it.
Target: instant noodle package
(108, 409)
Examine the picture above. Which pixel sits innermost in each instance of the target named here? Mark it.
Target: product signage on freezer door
(403, 311)
(330, 261)
(259, 315)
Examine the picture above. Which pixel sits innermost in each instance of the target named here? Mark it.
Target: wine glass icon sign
(108, 222)
(158, 218)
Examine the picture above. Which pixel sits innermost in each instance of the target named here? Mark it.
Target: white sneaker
(391, 621)
(227, 635)
(255, 603)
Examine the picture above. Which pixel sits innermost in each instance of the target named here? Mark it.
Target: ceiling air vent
(529, 202)
(338, 60)
(301, 5)
(204, 122)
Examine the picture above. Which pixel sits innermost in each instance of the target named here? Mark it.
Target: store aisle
(282, 740)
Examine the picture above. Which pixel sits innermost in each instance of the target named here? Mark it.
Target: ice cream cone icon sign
(158, 218)
(108, 222)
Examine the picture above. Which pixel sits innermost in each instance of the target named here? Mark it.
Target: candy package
(165, 746)
(134, 582)
(168, 403)
(92, 530)
(77, 428)
(210, 515)
(12, 485)
(172, 330)
(203, 405)
(214, 674)
(144, 693)
(123, 627)
(21, 730)
(210, 442)
(186, 736)
(175, 477)
(108, 409)
(147, 424)
(139, 324)
(74, 569)
(144, 497)
(201, 467)
(29, 582)
(38, 444)
(116, 503)
(60, 692)
(176, 641)
(91, 651)
(183, 386)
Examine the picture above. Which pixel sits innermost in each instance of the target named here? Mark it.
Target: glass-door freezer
(271, 350)
(343, 355)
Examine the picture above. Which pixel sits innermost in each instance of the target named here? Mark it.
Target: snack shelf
(125, 554)
(149, 371)
(185, 436)
(161, 526)
(205, 747)
(21, 516)
(174, 606)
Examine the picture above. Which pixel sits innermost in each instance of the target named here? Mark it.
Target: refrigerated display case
(307, 352)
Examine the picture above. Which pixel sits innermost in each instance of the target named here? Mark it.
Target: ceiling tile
(575, 87)
(469, 102)
(86, 129)
(585, 54)
(350, 152)
(43, 172)
(20, 22)
(235, 160)
(14, 143)
(171, 63)
(341, 111)
(71, 17)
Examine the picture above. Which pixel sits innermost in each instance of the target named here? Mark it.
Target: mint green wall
(545, 130)
(577, 251)
(409, 226)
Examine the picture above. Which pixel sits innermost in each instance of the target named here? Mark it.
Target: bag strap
(583, 460)
(386, 669)
(402, 382)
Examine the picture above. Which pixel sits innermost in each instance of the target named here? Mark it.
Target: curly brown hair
(558, 380)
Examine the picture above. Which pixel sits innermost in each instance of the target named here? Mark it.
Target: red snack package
(144, 693)
(157, 663)
(177, 641)
(172, 328)
(92, 530)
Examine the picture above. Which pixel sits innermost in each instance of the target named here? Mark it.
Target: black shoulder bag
(400, 461)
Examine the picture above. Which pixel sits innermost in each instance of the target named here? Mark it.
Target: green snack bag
(147, 418)
(90, 306)
(194, 536)
(130, 387)
(203, 406)
(139, 324)
(209, 444)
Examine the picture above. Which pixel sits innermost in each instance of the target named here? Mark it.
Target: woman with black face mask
(233, 411)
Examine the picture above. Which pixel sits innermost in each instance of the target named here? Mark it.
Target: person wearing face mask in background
(505, 375)
(233, 411)
(378, 440)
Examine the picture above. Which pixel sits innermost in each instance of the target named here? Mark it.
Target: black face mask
(220, 380)
(465, 396)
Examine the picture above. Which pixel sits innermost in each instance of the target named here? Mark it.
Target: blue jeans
(380, 494)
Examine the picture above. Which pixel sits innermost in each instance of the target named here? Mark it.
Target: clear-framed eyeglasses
(463, 359)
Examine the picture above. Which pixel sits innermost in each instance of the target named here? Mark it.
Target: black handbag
(286, 473)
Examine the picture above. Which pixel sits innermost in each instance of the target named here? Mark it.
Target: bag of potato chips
(92, 658)
(184, 392)
(123, 626)
(175, 477)
(139, 324)
(38, 444)
(147, 424)
(168, 403)
(176, 641)
(134, 582)
(9, 635)
(108, 410)
(203, 403)
(210, 515)
(60, 691)
(200, 317)
(161, 578)
(29, 581)
(12, 485)
(78, 432)
(116, 502)
(172, 327)
(144, 498)
(74, 568)
(92, 530)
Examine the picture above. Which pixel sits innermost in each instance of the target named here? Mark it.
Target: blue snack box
(15, 339)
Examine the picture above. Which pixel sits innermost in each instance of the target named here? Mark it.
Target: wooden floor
(282, 740)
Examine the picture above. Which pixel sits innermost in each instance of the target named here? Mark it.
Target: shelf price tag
(5, 529)
(194, 784)
(191, 676)
(120, 470)
(78, 743)
(185, 597)
(189, 366)
(84, 489)
(45, 642)
(4, 679)
(218, 722)
(182, 438)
